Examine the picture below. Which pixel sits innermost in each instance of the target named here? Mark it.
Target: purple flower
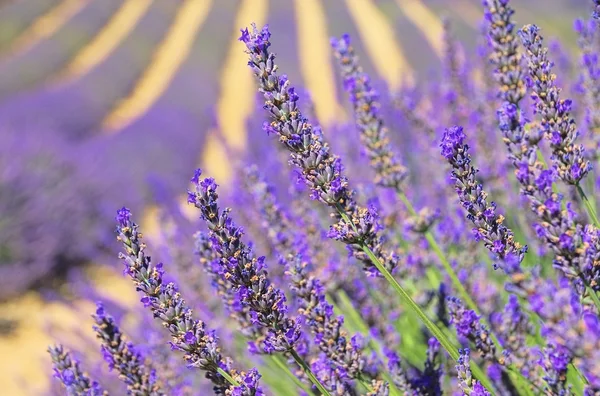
(321, 170)
(67, 370)
(123, 216)
(557, 123)
(468, 326)
(245, 272)
(505, 54)
(373, 133)
(554, 361)
(200, 347)
(489, 226)
(467, 383)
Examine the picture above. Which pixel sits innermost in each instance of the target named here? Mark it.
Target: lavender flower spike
(120, 354)
(67, 370)
(505, 55)
(467, 383)
(200, 347)
(343, 350)
(245, 272)
(489, 226)
(557, 123)
(388, 170)
(468, 326)
(321, 170)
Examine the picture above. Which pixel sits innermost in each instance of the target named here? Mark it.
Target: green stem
(358, 321)
(576, 380)
(365, 384)
(459, 287)
(411, 304)
(588, 206)
(286, 369)
(228, 377)
(309, 373)
(408, 301)
(456, 283)
(594, 296)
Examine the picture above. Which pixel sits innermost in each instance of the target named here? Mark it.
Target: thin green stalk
(456, 283)
(228, 377)
(575, 379)
(408, 301)
(279, 363)
(459, 287)
(412, 305)
(365, 384)
(309, 373)
(358, 321)
(588, 206)
(594, 296)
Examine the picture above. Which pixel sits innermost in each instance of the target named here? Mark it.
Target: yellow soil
(427, 22)
(46, 25)
(383, 49)
(105, 42)
(315, 59)
(171, 53)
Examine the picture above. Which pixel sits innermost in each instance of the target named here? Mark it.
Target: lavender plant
(415, 307)
(121, 355)
(68, 372)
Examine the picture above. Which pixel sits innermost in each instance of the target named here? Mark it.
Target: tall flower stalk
(322, 172)
(248, 276)
(121, 355)
(388, 170)
(188, 335)
(68, 372)
(558, 125)
(557, 228)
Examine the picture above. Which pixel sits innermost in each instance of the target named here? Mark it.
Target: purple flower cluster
(122, 356)
(200, 346)
(246, 272)
(321, 170)
(469, 327)
(558, 125)
(505, 53)
(467, 383)
(489, 226)
(67, 371)
(388, 170)
(428, 315)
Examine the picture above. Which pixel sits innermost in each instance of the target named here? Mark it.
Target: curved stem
(228, 377)
(588, 206)
(460, 288)
(309, 373)
(409, 302)
(286, 369)
(593, 295)
(365, 384)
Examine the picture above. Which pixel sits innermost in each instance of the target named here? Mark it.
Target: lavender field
(339, 197)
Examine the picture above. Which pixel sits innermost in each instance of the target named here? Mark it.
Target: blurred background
(105, 103)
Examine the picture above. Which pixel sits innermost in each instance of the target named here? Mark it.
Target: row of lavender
(431, 311)
(57, 165)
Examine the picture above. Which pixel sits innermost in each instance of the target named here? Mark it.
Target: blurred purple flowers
(428, 315)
